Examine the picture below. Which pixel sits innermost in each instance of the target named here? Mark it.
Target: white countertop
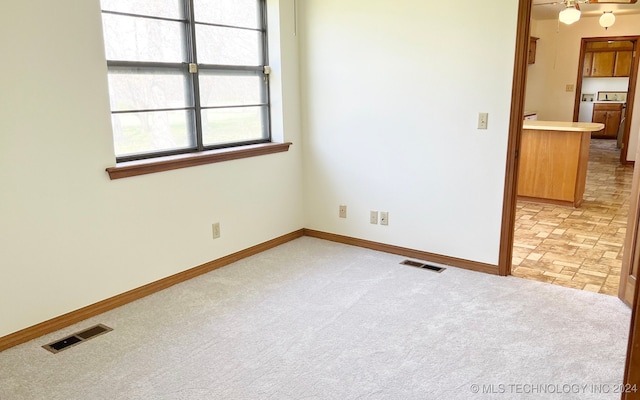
(609, 101)
(563, 126)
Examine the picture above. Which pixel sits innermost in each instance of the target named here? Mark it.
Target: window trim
(178, 161)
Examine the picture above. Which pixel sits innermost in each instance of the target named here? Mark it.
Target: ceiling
(550, 11)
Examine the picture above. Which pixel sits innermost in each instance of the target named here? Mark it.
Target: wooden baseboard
(403, 251)
(92, 310)
(564, 203)
(100, 307)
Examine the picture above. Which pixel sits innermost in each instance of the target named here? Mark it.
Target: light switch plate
(483, 120)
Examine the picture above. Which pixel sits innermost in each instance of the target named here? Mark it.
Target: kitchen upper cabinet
(610, 115)
(588, 63)
(604, 59)
(603, 63)
(533, 46)
(623, 63)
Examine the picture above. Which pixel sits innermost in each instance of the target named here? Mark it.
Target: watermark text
(552, 388)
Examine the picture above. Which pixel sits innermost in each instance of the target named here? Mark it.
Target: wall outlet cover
(342, 211)
(384, 218)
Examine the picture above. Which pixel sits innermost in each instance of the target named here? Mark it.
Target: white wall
(70, 236)
(595, 85)
(391, 95)
(557, 60)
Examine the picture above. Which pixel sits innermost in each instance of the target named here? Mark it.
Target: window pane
(228, 46)
(147, 89)
(142, 39)
(218, 90)
(243, 13)
(149, 132)
(156, 8)
(228, 125)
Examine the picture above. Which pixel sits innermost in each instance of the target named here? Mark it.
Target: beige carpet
(317, 320)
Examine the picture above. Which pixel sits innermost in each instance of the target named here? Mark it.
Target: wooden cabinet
(623, 63)
(553, 166)
(610, 115)
(603, 63)
(588, 63)
(604, 59)
(533, 46)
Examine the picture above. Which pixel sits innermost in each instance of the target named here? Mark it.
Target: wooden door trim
(631, 95)
(515, 133)
(632, 364)
(630, 255)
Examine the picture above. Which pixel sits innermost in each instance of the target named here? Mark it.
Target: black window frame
(193, 68)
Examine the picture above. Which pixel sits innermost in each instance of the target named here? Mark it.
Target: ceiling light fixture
(607, 19)
(569, 15)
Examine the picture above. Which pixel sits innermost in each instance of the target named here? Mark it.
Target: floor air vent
(77, 338)
(417, 264)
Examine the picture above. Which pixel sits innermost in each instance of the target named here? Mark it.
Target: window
(186, 75)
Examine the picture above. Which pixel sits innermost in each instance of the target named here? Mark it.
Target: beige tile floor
(578, 247)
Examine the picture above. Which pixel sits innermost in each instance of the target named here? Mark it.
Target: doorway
(580, 248)
(606, 87)
(632, 369)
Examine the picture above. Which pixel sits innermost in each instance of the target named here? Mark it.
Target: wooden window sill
(153, 165)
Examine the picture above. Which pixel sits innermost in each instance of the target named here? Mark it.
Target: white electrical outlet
(384, 218)
(483, 120)
(342, 211)
(216, 230)
(373, 217)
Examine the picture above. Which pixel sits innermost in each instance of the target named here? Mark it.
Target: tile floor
(578, 247)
